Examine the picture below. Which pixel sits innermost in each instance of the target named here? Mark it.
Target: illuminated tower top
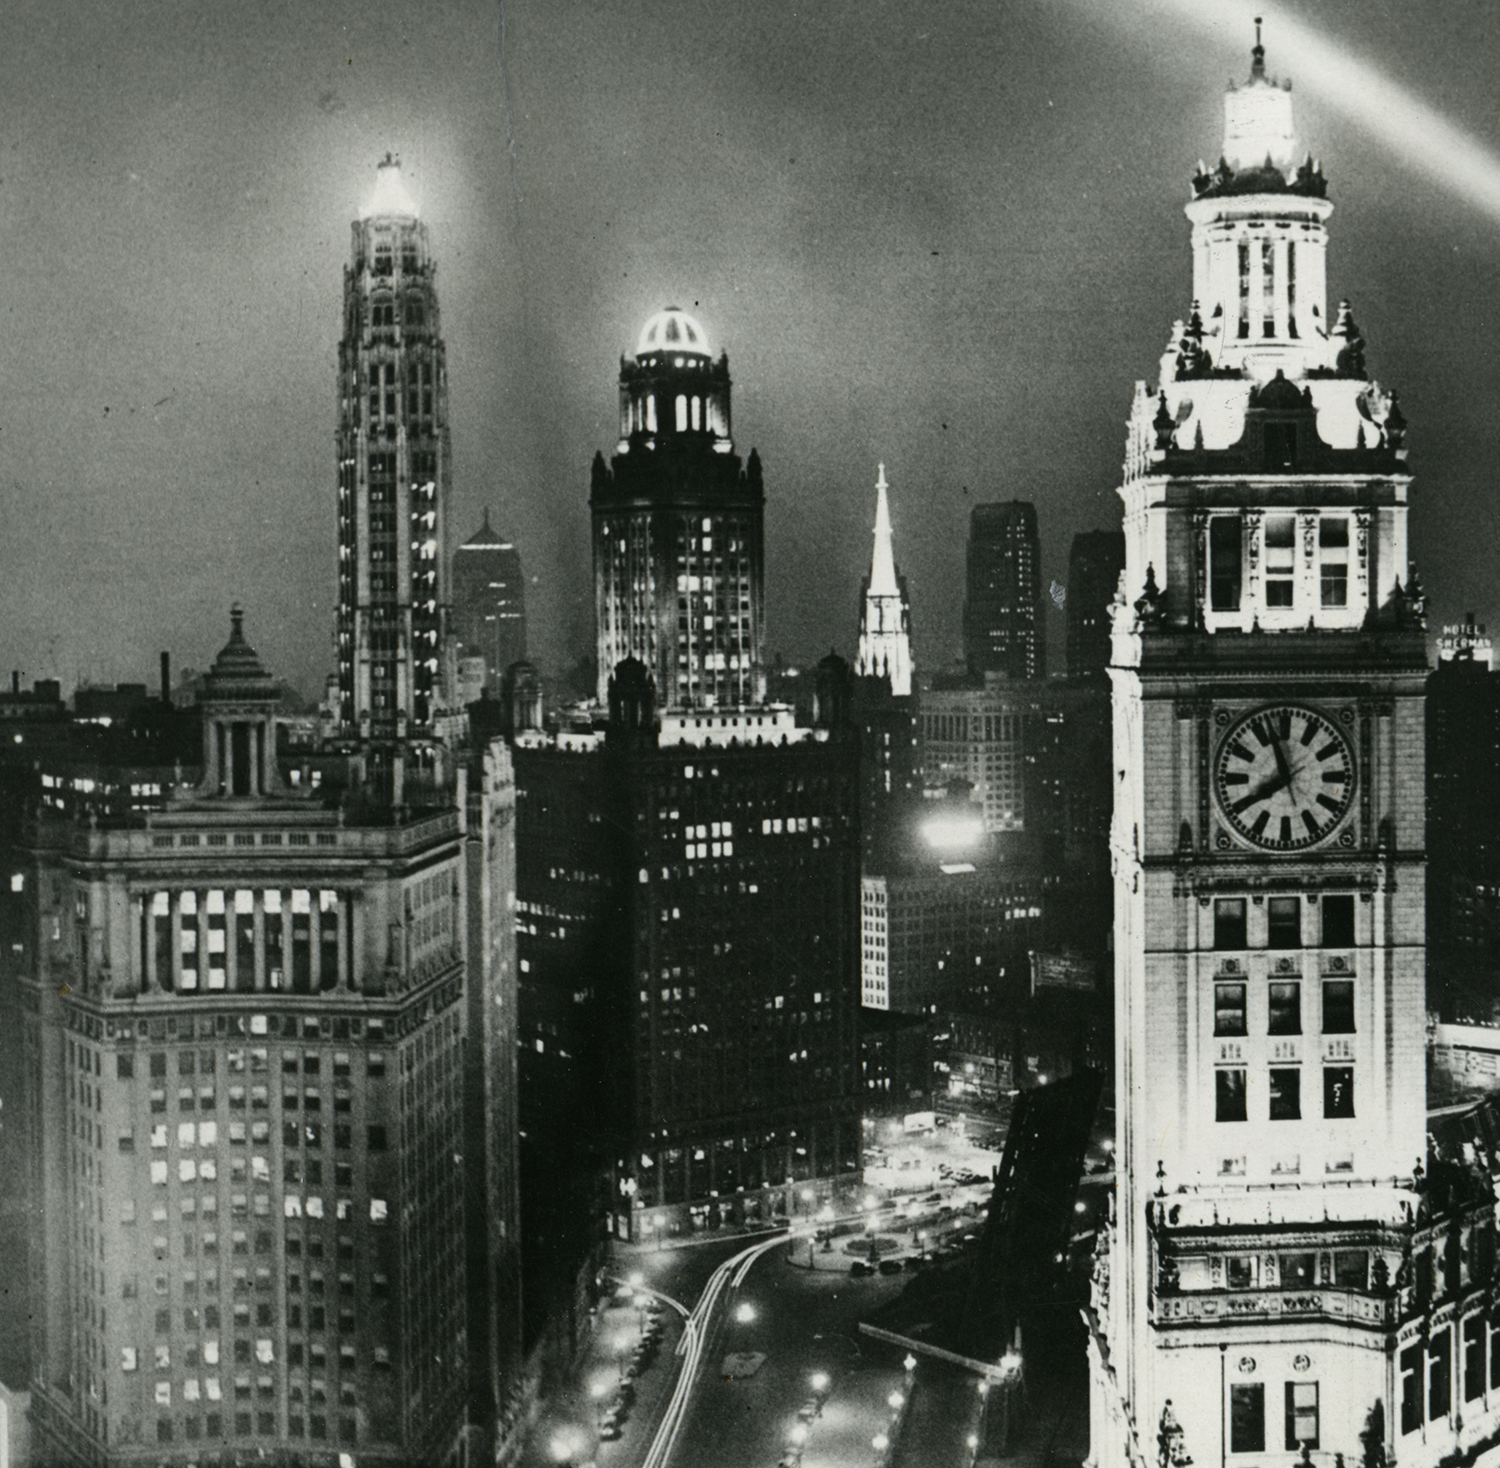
(393, 474)
(885, 613)
(678, 528)
(1258, 386)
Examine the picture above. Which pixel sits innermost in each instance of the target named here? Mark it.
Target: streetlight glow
(819, 1381)
(744, 1312)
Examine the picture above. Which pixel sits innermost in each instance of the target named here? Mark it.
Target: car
(890, 1266)
(808, 1410)
(933, 1197)
(859, 1267)
(609, 1431)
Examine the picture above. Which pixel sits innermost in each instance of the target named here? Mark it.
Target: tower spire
(1258, 55)
(885, 615)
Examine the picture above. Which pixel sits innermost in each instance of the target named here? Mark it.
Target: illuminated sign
(1466, 637)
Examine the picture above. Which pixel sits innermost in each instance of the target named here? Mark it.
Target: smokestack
(15, 680)
(166, 679)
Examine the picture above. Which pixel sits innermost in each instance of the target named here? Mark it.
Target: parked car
(860, 1267)
(890, 1266)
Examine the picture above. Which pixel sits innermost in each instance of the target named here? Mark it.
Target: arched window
(651, 413)
(697, 413)
(682, 417)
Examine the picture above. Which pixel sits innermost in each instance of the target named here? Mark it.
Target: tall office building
(688, 869)
(884, 609)
(1290, 1271)
(1463, 822)
(1094, 566)
(394, 476)
(678, 574)
(1004, 629)
(489, 602)
(243, 1030)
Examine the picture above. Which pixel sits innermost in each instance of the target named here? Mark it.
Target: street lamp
(818, 1381)
(744, 1312)
(910, 1363)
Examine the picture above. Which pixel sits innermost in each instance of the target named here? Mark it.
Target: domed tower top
(239, 702)
(673, 393)
(672, 332)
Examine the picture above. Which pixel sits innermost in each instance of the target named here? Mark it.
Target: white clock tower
(1288, 1275)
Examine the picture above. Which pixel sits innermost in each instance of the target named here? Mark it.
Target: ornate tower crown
(885, 613)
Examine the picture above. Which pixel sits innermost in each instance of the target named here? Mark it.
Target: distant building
(489, 603)
(1004, 630)
(978, 734)
(1094, 566)
(678, 555)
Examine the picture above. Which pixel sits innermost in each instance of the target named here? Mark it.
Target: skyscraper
(489, 602)
(1094, 566)
(1004, 631)
(687, 874)
(393, 475)
(677, 528)
(884, 610)
(1290, 1269)
(244, 1043)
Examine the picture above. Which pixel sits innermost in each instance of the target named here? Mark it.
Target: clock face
(1284, 777)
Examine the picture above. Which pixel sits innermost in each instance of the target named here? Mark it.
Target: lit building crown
(391, 198)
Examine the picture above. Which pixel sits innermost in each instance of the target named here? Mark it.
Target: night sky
(945, 235)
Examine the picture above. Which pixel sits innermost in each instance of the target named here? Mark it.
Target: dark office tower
(1094, 566)
(489, 602)
(393, 475)
(1003, 627)
(1463, 826)
(677, 528)
(687, 892)
(244, 1024)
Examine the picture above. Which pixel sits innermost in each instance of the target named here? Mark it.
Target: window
(1242, 1271)
(1411, 1388)
(1229, 1009)
(1229, 1095)
(1475, 1332)
(1338, 1006)
(1301, 1415)
(1299, 1272)
(1338, 1091)
(1440, 1374)
(1338, 921)
(124, 1067)
(1285, 1008)
(1224, 563)
(1247, 1418)
(1286, 1094)
(1285, 922)
(1281, 546)
(1351, 1268)
(1229, 922)
(1333, 547)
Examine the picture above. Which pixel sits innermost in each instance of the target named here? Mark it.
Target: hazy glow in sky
(1326, 69)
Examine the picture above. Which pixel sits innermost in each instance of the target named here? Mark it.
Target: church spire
(885, 615)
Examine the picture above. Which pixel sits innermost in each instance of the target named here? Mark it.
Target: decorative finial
(880, 479)
(1258, 55)
(236, 620)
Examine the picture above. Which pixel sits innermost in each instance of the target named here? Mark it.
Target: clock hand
(1263, 791)
(1280, 754)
